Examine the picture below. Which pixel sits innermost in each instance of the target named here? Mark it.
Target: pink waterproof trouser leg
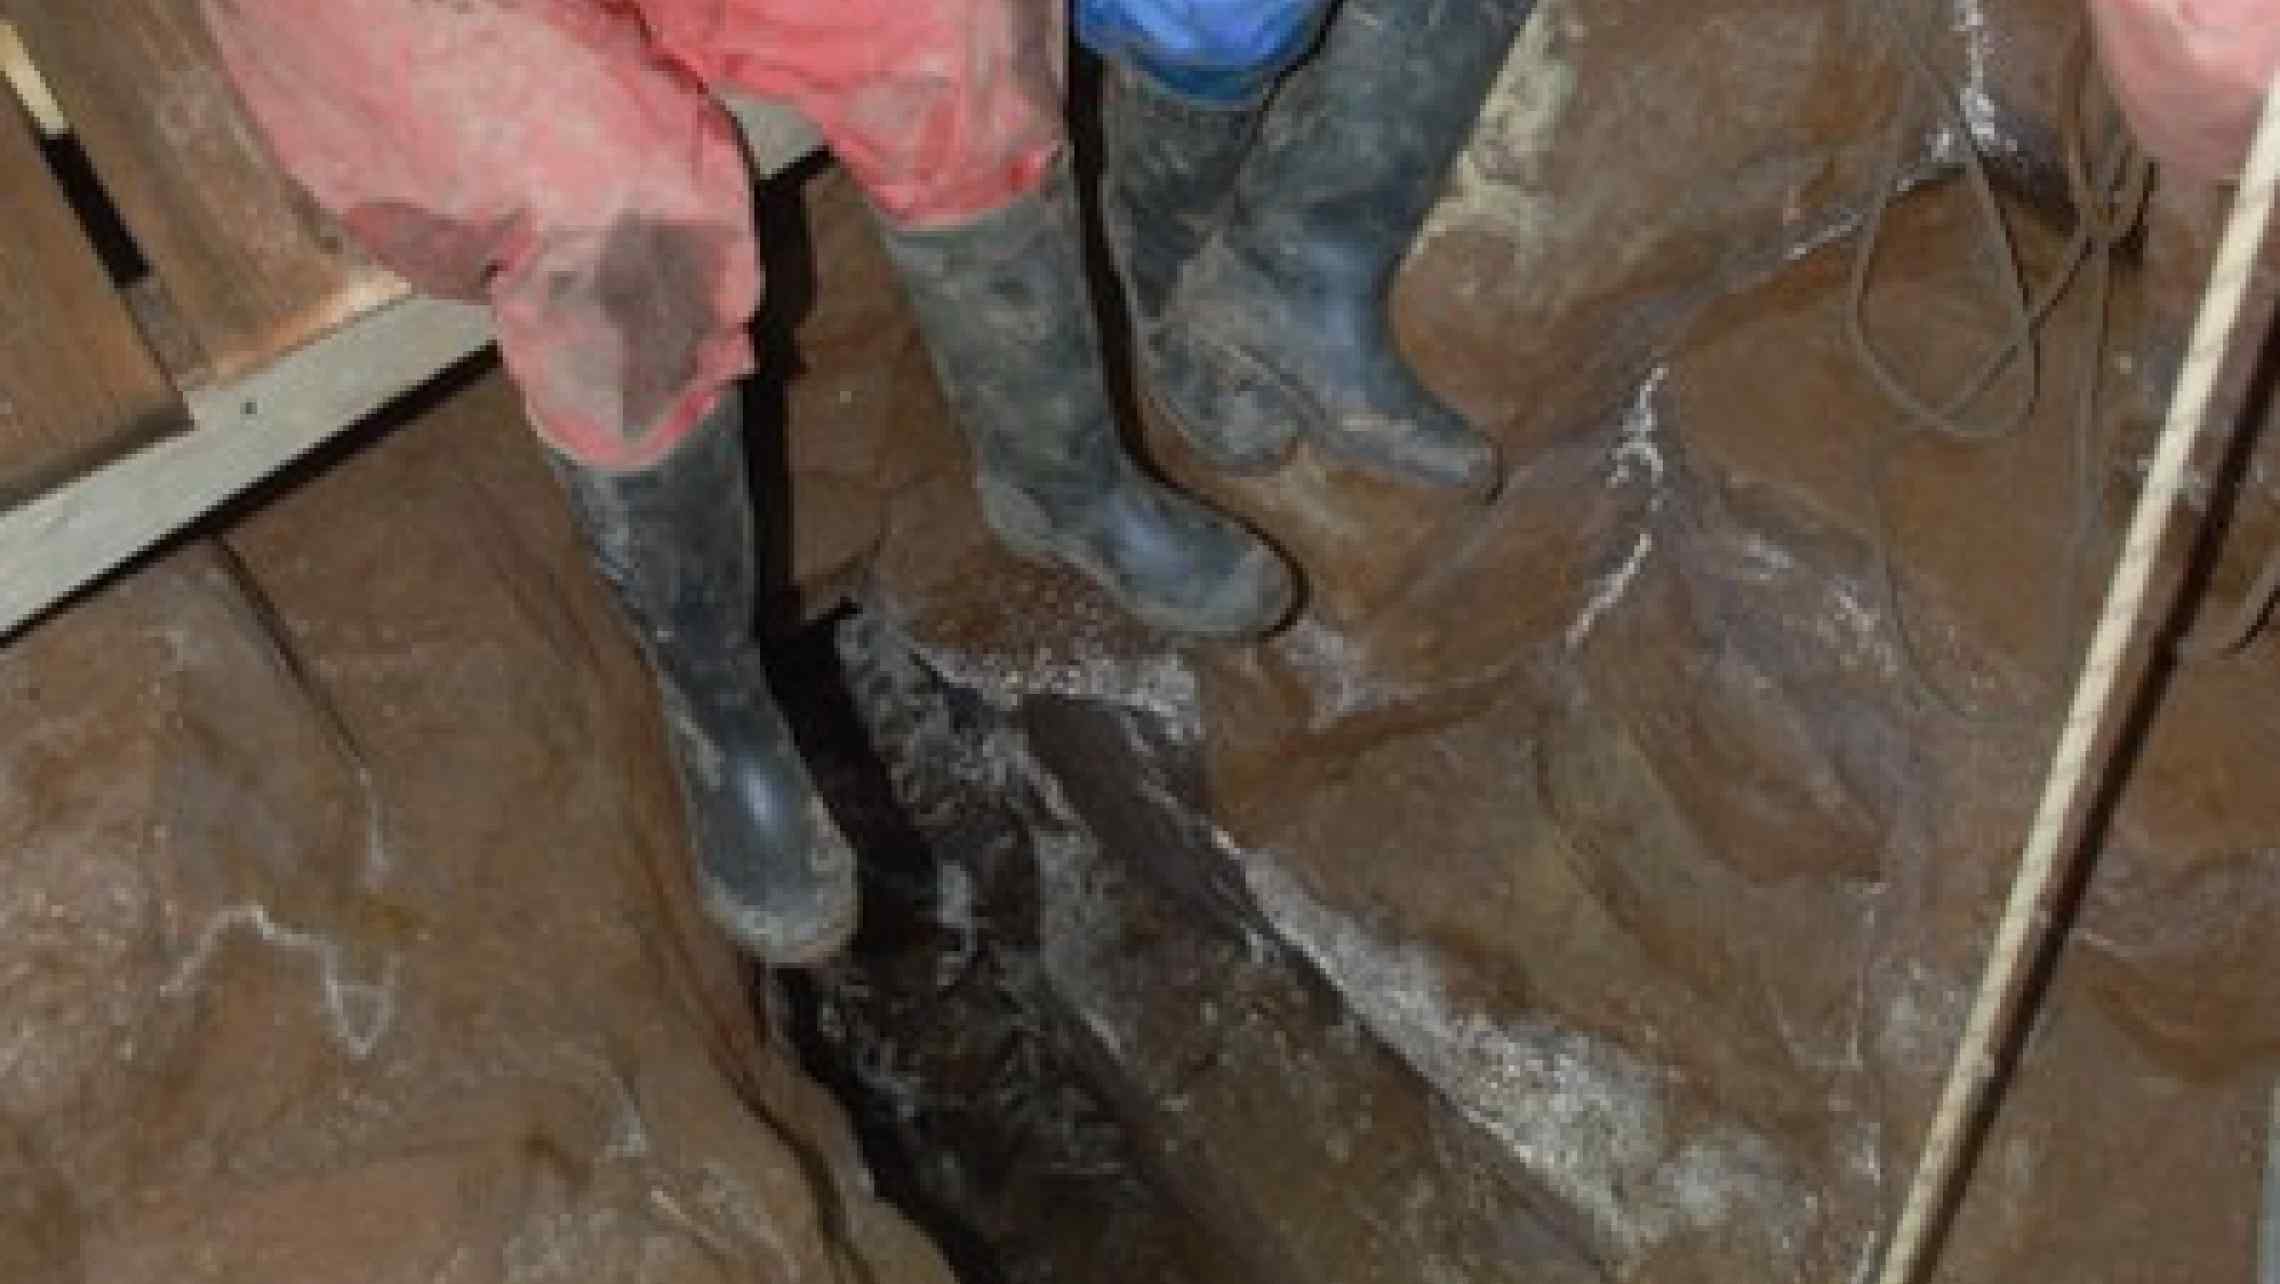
(564, 161)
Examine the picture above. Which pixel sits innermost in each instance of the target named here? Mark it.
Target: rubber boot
(1279, 325)
(1003, 306)
(675, 543)
(1169, 167)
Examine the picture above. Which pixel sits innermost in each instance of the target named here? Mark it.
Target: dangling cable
(2107, 194)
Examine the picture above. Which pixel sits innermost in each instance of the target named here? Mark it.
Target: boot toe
(1187, 569)
(1253, 598)
(1175, 564)
(1246, 600)
(804, 914)
(1431, 446)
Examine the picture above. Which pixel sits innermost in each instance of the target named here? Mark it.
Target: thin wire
(2106, 196)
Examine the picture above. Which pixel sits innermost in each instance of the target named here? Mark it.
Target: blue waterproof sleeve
(1214, 51)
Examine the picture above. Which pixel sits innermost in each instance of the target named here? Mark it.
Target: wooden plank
(73, 534)
(76, 380)
(255, 268)
(65, 539)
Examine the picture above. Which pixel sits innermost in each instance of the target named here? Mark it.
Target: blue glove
(1214, 51)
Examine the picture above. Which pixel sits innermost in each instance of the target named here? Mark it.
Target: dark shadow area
(789, 282)
(2244, 397)
(115, 246)
(899, 879)
(899, 864)
(1087, 84)
(938, 1031)
(972, 1118)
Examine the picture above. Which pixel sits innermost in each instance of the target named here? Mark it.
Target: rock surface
(1656, 818)
(344, 931)
(1589, 887)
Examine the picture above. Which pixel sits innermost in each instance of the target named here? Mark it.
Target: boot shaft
(1003, 306)
(675, 541)
(1170, 170)
(1360, 139)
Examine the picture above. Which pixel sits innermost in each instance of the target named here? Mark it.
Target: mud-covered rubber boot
(1003, 305)
(1279, 326)
(1169, 166)
(675, 543)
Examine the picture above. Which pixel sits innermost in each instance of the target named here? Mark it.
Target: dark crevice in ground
(936, 1032)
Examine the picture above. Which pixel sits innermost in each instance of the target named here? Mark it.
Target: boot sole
(1310, 429)
(745, 926)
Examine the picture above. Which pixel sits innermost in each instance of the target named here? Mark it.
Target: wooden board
(76, 381)
(72, 533)
(253, 266)
(68, 537)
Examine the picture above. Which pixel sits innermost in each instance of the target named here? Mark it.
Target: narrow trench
(938, 1037)
(936, 1031)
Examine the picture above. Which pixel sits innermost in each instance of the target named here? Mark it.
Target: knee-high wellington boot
(675, 543)
(1277, 326)
(1003, 305)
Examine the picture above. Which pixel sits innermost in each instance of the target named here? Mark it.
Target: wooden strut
(1996, 1014)
(58, 542)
